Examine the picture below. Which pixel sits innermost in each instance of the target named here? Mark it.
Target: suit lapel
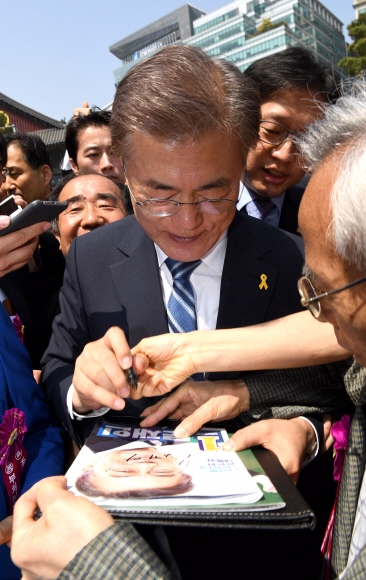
(144, 307)
(353, 471)
(242, 302)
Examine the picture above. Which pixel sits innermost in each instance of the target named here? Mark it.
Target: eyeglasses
(274, 133)
(311, 300)
(167, 207)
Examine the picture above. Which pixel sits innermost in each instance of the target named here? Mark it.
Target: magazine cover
(127, 467)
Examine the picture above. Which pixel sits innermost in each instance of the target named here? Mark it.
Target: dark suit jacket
(112, 279)
(290, 210)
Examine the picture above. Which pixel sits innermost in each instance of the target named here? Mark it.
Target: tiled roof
(51, 136)
(30, 111)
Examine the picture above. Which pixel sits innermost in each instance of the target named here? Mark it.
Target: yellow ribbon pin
(263, 283)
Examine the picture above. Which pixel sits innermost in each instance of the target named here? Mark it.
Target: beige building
(359, 6)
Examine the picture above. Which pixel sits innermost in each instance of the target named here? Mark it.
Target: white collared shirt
(206, 282)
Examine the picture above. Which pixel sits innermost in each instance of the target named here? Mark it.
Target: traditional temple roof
(31, 112)
(51, 136)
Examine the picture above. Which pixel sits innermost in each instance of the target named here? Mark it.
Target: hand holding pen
(105, 372)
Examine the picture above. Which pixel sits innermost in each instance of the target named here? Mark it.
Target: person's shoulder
(295, 192)
(110, 233)
(254, 228)
(256, 234)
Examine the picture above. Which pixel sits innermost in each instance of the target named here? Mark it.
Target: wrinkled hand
(199, 402)
(17, 248)
(171, 355)
(83, 110)
(43, 548)
(99, 379)
(6, 527)
(289, 439)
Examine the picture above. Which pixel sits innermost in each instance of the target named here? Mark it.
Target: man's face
(22, 180)
(94, 152)
(136, 469)
(93, 201)
(346, 311)
(207, 169)
(271, 169)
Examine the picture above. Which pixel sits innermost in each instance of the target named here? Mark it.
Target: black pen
(131, 377)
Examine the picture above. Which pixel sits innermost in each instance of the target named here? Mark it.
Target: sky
(56, 52)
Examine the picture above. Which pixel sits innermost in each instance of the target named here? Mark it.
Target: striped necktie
(181, 307)
(260, 208)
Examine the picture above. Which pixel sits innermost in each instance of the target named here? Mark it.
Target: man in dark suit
(293, 89)
(183, 174)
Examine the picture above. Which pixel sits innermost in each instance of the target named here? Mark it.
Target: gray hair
(343, 129)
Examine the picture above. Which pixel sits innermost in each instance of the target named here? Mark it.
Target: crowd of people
(196, 277)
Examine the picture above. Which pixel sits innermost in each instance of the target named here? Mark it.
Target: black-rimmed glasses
(311, 300)
(274, 133)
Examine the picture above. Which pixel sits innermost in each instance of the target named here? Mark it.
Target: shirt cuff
(315, 449)
(90, 414)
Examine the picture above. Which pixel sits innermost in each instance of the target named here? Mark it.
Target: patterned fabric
(260, 208)
(117, 553)
(353, 472)
(286, 393)
(181, 307)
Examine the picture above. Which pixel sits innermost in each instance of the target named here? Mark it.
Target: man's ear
(47, 174)
(74, 167)
(57, 236)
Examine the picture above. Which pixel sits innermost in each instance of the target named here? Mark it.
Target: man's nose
(286, 151)
(9, 184)
(188, 216)
(91, 217)
(105, 162)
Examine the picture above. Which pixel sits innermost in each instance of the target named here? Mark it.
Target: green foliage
(355, 64)
(267, 24)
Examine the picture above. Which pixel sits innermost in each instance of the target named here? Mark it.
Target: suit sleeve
(70, 335)
(357, 570)
(117, 553)
(288, 393)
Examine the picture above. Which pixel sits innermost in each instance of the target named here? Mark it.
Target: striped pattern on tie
(181, 307)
